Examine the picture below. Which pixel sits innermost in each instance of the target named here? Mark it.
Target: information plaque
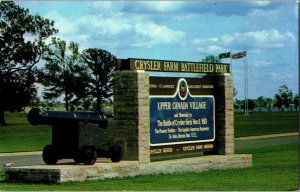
(182, 117)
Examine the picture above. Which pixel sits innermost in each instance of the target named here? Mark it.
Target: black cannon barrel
(49, 117)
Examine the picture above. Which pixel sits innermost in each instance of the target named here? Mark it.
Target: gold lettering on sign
(221, 68)
(167, 150)
(153, 86)
(155, 151)
(188, 148)
(175, 66)
(147, 65)
(208, 146)
(197, 67)
(171, 66)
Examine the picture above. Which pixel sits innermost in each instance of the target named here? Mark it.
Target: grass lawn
(275, 167)
(263, 123)
(21, 136)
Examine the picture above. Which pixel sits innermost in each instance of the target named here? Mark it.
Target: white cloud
(263, 63)
(153, 34)
(162, 6)
(270, 15)
(285, 12)
(275, 75)
(64, 25)
(254, 40)
(265, 38)
(97, 25)
(260, 3)
(211, 49)
(105, 8)
(98, 30)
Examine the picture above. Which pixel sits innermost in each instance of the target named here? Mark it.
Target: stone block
(105, 169)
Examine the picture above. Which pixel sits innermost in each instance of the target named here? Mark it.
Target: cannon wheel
(88, 155)
(77, 158)
(115, 153)
(49, 155)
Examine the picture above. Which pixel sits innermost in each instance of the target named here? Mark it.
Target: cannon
(79, 135)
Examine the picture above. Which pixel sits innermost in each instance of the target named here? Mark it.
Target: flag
(224, 55)
(239, 55)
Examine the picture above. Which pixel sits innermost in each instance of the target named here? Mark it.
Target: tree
(296, 101)
(278, 101)
(211, 59)
(235, 92)
(22, 45)
(260, 103)
(284, 97)
(101, 67)
(269, 103)
(237, 104)
(251, 104)
(63, 74)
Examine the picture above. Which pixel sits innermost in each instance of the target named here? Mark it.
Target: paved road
(25, 159)
(35, 158)
(265, 142)
(21, 159)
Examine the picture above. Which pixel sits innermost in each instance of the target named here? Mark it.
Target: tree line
(284, 100)
(25, 41)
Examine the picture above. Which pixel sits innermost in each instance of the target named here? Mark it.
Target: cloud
(276, 75)
(223, 8)
(275, 14)
(263, 63)
(153, 7)
(115, 31)
(163, 6)
(105, 8)
(264, 38)
(102, 26)
(227, 8)
(214, 49)
(65, 25)
(260, 3)
(152, 34)
(253, 40)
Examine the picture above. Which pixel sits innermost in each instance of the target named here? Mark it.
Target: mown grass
(275, 168)
(21, 136)
(263, 123)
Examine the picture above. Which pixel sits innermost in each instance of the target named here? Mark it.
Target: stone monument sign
(164, 108)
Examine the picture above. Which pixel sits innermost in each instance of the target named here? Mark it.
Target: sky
(189, 31)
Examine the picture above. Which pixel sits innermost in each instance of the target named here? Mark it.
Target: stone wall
(225, 116)
(131, 108)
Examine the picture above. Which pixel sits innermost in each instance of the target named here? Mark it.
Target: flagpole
(246, 84)
(246, 58)
(240, 55)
